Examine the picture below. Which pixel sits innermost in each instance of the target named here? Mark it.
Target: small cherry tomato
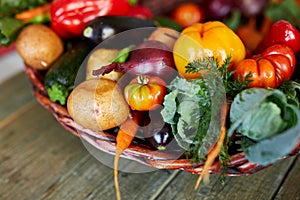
(145, 93)
(269, 69)
(187, 14)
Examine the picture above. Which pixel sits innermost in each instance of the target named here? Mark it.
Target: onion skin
(151, 57)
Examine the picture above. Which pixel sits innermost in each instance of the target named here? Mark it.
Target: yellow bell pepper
(206, 39)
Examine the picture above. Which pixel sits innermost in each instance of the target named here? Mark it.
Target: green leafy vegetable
(9, 30)
(234, 20)
(188, 109)
(291, 89)
(164, 21)
(8, 8)
(211, 64)
(270, 150)
(193, 108)
(277, 11)
(10, 27)
(58, 92)
(256, 113)
(268, 123)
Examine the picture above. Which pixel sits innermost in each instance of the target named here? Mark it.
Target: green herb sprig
(219, 77)
(211, 65)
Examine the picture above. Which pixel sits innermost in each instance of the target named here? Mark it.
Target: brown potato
(165, 35)
(98, 104)
(102, 57)
(39, 46)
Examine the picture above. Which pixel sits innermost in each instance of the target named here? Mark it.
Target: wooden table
(41, 160)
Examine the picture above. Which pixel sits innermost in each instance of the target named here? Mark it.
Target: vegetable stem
(143, 80)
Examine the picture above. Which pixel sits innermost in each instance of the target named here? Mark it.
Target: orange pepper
(206, 39)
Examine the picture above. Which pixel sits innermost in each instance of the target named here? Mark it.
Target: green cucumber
(60, 78)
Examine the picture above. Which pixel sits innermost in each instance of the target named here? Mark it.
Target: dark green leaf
(9, 29)
(291, 89)
(288, 10)
(245, 112)
(269, 150)
(12, 7)
(164, 21)
(234, 20)
(59, 93)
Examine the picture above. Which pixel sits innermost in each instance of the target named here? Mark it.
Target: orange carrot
(124, 138)
(30, 14)
(213, 154)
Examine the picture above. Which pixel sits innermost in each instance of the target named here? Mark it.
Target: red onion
(150, 57)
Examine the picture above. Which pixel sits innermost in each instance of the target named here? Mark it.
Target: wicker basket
(105, 141)
(140, 152)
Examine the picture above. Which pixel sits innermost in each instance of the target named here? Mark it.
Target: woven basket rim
(238, 166)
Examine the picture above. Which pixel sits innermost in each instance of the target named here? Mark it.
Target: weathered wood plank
(14, 93)
(39, 159)
(291, 186)
(35, 153)
(93, 180)
(261, 185)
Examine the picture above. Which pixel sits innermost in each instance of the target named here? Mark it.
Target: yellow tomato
(206, 39)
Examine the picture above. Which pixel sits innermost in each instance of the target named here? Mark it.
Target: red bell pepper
(69, 17)
(281, 32)
(140, 11)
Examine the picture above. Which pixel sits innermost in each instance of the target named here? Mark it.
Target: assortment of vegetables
(201, 87)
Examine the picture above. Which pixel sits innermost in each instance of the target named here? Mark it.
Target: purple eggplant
(156, 131)
(159, 137)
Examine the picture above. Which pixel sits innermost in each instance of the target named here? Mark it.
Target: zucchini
(60, 78)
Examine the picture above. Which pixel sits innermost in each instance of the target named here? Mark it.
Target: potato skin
(39, 46)
(167, 36)
(102, 57)
(97, 104)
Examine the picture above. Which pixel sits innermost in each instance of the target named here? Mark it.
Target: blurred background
(10, 64)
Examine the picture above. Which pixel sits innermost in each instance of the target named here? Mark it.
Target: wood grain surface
(41, 160)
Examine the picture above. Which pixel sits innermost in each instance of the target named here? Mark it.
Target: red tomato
(145, 93)
(187, 14)
(269, 69)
